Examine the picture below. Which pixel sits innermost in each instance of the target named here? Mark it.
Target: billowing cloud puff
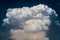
(29, 23)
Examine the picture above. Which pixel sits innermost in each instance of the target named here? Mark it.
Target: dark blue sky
(5, 4)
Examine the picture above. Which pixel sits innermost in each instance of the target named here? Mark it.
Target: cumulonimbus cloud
(29, 23)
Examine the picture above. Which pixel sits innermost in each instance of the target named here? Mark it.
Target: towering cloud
(29, 23)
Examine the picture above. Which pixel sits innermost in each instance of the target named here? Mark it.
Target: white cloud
(31, 20)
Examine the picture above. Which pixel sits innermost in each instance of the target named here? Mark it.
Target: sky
(6, 4)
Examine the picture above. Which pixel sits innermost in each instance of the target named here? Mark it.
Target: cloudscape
(29, 23)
